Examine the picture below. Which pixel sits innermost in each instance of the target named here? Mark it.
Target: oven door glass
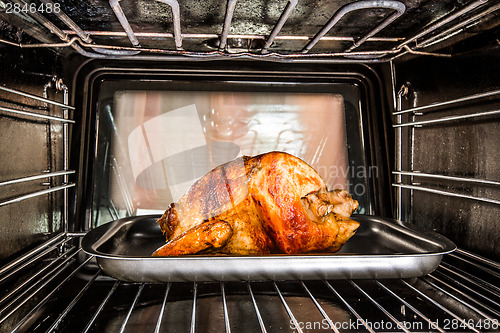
(155, 144)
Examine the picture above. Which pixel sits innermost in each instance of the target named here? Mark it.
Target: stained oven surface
(111, 110)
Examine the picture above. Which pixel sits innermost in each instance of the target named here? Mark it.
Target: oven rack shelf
(405, 124)
(71, 291)
(82, 41)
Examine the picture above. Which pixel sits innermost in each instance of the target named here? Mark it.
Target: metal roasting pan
(381, 248)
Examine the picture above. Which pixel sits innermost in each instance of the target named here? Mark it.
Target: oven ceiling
(194, 27)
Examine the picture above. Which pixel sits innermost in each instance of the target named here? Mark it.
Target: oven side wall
(29, 146)
(465, 149)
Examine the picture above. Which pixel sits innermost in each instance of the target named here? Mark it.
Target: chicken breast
(270, 203)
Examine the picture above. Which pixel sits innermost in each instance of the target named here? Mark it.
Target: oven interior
(113, 109)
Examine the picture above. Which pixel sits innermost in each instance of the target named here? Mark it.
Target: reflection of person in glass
(228, 117)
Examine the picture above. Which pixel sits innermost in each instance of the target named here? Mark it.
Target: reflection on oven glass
(171, 139)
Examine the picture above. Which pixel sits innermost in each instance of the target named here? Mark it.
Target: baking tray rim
(447, 245)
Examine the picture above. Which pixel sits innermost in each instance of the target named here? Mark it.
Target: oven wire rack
(462, 293)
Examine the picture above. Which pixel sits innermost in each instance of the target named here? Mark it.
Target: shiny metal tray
(381, 248)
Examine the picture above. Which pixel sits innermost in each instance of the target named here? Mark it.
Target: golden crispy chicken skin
(273, 203)
(213, 234)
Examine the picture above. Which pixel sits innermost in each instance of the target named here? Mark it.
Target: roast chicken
(270, 203)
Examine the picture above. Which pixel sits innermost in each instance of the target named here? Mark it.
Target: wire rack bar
(129, 313)
(71, 42)
(73, 302)
(208, 36)
(59, 33)
(411, 307)
(231, 5)
(447, 193)
(8, 42)
(49, 295)
(38, 98)
(28, 255)
(85, 37)
(176, 21)
(444, 177)
(448, 103)
(35, 115)
(108, 51)
(35, 177)
(115, 52)
(396, 5)
(400, 9)
(287, 308)
(65, 215)
(256, 308)
(76, 234)
(43, 21)
(483, 285)
(320, 309)
(482, 260)
(369, 56)
(456, 279)
(82, 34)
(449, 118)
(441, 307)
(380, 307)
(442, 22)
(35, 194)
(70, 23)
(399, 143)
(464, 298)
(351, 309)
(101, 306)
(117, 9)
(193, 312)
(450, 32)
(365, 292)
(162, 309)
(224, 305)
(32, 282)
(290, 5)
(23, 298)
(32, 259)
